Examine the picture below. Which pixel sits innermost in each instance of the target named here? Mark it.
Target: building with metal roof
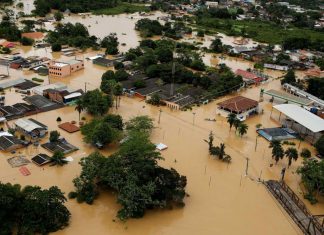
(31, 127)
(301, 120)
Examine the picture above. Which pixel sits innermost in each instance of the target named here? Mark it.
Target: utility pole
(283, 171)
(160, 115)
(247, 166)
(193, 118)
(85, 87)
(172, 82)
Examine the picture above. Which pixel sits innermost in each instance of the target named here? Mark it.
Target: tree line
(32, 210)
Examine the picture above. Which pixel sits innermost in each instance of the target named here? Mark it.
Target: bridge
(308, 223)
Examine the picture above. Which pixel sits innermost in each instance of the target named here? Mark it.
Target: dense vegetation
(76, 35)
(149, 28)
(96, 103)
(104, 130)
(31, 210)
(133, 174)
(155, 59)
(123, 7)
(266, 32)
(312, 175)
(9, 30)
(42, 7)
(316, 87)
(319, 145)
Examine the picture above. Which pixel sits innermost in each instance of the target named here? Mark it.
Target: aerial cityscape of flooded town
(162, 117)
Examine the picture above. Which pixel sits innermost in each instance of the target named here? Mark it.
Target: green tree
(111, 43)
(277, 150)
(54, 136)
(315, 86)
(102, 131)
(58, 159)
(291, 154)
(96, 103)
(164, 55)
(134, 176)
(319, 145)
(217, 46)
(140, 124)
(155, 99)
(305, 153)
(32, 210)
(79, 107)
(56, 47)
(242, 129)
(58, 16)
(290, 77)
(231, 118)
(312, 175)
(42, 211)
(26, 41)
(210, 141)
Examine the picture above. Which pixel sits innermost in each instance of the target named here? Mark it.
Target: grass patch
(265, 32)
(123, 7)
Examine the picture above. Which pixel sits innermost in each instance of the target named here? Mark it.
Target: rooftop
(288, 97)
(7, 142)
(29, 124)
(69, 127)
(41, 159)
(33, 35)
(238, 104)
(302, 116)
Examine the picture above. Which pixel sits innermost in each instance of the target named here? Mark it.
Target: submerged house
(241, 106)
(103, 62)
(9, 143)
(31, 127)
(248, 77)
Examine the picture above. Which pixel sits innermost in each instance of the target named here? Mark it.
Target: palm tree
(117, 91)
(58, 159)
(231, 119)
(79, 107)
(237, 123)
(221, 153)
(291, 154)
(277, 150)
(242, 129)
(210, 141)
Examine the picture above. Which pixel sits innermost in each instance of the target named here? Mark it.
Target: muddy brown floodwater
(222, 199)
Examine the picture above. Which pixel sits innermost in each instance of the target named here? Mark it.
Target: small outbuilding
(69, 127)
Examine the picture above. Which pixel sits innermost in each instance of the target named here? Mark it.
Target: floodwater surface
(222, 200)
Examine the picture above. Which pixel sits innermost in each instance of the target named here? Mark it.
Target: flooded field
(222, 199)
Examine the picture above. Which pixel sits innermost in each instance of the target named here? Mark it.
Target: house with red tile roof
(241, 106)
(33, 35)
(248, 77)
